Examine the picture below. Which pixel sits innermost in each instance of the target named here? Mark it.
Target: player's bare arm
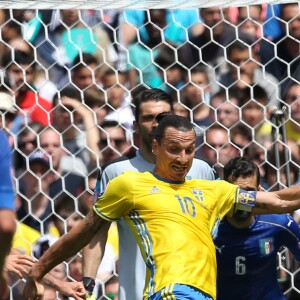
(92, 255)
(283, 201)
(67, 246)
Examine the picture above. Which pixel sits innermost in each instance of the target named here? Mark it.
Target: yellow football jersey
(172, 223)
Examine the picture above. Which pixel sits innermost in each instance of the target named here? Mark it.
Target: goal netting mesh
(73, 68)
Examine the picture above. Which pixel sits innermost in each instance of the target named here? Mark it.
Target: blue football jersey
(247, 258)
(7, 193)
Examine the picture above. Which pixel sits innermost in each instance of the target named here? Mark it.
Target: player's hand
(19, 264)
(33, 290)
(75, 290)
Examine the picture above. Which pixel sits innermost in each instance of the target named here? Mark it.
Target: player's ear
(154, 147)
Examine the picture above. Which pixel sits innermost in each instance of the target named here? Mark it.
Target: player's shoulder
(283, 220)
(205, 165)
(115, 166)
(124, 159)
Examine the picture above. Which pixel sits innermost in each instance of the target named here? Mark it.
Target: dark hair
(150, 95)
(66, 202)
(240, 167)
(170, 120)
(19, 57)
(271, 165)
(201, 68)
(244, 43)
(84, 60)
(111, 124)
(67, 92)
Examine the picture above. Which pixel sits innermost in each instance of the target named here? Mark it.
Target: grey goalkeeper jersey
(132, 269)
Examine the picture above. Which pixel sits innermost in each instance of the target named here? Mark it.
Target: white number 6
(240, 267)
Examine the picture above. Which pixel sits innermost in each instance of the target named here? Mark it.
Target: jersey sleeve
(234, 200)
(227, 195)
(117, 200)
(291, 238)
(7, 193)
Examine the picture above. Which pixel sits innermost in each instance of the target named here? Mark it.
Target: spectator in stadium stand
(113, 141)
(173, 62)
(143, 56)
(177, 20)
(208, 46)
(181, 109)
(196, 96)
(226, 110)
(292, 99)
(119, 107)
(87, 196)
(26, 144)
(71, 34)
(44, 87)
(218, 149)
(256, 114)
(281, 57)
(32, 106)
(111, 288)
(181, 23)
(241, 136)
(272, 28)
(244, 70)
(279, 172)
(250, 19)
(247, 248)
(75, 122)
(10, 29)
(95, 100)
(35, 208)
(68, 171)
(148, 104)
(83, 72)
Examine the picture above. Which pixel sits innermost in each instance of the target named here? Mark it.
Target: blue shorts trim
(180, 292)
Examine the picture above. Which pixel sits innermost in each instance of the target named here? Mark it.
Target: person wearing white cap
(8, 110)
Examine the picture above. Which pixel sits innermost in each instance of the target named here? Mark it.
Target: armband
(245, 203)
(89, 284)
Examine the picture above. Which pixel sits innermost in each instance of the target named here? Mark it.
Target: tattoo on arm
(93, 222)
(261, 205)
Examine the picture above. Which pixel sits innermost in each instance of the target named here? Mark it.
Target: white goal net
(72, 70)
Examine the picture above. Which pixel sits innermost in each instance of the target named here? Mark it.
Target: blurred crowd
(72, 77)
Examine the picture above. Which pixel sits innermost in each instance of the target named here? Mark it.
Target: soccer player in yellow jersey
(172, 218)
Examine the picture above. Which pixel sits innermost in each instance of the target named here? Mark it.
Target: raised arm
(284, 201)
(67, 246)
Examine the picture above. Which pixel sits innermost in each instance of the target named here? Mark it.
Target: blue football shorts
(180, 292)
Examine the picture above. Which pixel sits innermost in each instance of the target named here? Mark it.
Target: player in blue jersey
(171, 217)
(7, 209)
(247, 248)
(132, 269)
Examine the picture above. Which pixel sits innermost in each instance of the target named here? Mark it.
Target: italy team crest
(266, 246)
